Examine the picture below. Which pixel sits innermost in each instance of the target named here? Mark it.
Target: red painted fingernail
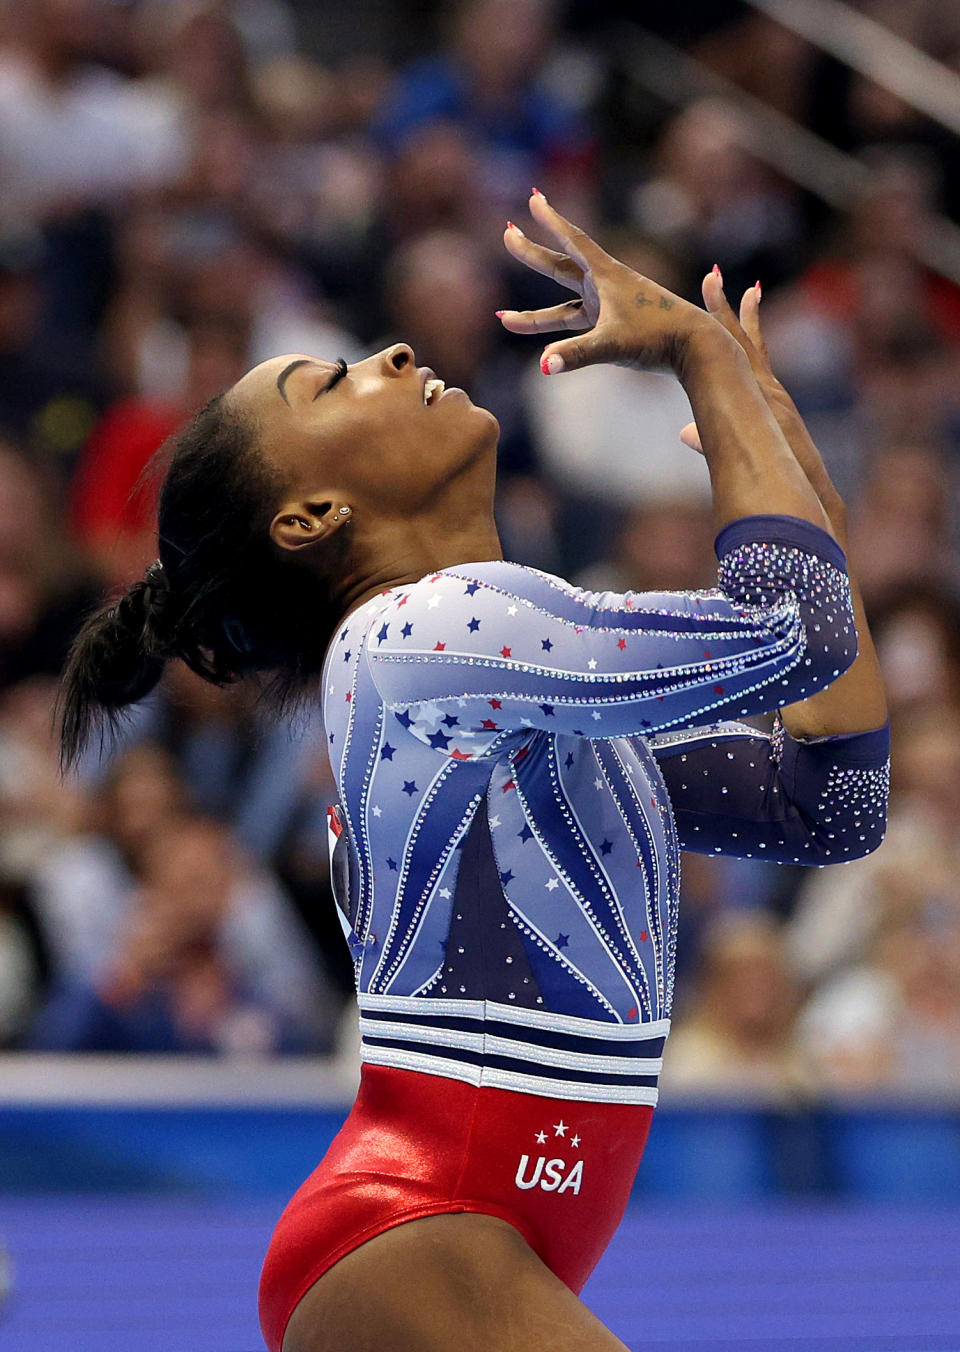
(552, 364)
(759, 290)
(499, 313)
(537, 192)
(717, 272)
(510, 225)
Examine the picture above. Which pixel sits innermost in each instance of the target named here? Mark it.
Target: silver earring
(344, 511)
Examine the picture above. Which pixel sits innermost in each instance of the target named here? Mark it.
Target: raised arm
(856, 702)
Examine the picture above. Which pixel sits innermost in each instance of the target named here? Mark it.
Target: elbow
(843, 847)
(829, 654)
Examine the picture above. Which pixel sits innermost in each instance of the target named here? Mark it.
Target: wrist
(707, 346)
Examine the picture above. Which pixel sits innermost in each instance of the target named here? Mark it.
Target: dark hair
(219, 597)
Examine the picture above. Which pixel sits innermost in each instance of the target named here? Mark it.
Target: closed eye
(338, 375)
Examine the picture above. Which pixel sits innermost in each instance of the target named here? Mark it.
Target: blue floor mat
(127, 1274)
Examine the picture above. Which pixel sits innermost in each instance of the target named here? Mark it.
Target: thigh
(457, 1283)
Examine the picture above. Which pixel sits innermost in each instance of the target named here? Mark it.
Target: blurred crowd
(190, 186)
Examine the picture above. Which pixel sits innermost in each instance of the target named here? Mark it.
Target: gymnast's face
(383, 438)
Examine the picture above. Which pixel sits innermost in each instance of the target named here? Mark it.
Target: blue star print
(502, 849)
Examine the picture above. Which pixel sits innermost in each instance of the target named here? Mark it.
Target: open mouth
(431, 386)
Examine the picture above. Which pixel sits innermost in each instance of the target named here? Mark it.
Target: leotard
(519, 763)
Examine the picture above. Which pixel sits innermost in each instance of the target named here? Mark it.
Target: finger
(716, 302)
(750, 319)
(548, 262)
(572, 354)
(574, 241)
(568, 315)
(690, 436)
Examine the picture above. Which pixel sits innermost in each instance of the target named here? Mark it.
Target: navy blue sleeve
(755, 795)
(501, 648)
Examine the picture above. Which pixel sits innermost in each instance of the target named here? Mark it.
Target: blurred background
(190, 186)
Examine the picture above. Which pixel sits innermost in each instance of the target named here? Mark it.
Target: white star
(434, 602)
(511, 610)
(560, 1128)
(554, 882)
(541, 1136)
(445, 892)
(329, 689)
(592, 664)
(494, 821)
(377, 812)
(598, 784)
(595, 715)
(574, 1141)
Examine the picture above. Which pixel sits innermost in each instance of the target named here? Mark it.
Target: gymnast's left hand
(619, 315)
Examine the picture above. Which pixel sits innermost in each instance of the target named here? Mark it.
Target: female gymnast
(518, 763)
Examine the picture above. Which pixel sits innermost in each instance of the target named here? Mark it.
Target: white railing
(796, 153)
(868, 47)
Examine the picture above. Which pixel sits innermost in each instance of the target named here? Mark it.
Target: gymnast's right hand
(620, 316)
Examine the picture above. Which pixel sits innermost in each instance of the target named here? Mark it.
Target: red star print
(632, 1012)
(629, 602)
(435, 576)
(504, 652)
(403, 600)
(439, 647)
(490, 725)
(457, 754)
(621, 643)
(706, 652)
(509, 785)
(644, 936)
(494, 703)
(718, 689)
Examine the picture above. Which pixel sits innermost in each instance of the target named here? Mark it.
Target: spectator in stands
(886, 1016)
(489, 85)
(45, 589)
(708, 197)
(902, 529)
(736, 1042)
(19, 975)
(206, 958)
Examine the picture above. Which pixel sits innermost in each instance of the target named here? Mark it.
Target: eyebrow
(287, 370)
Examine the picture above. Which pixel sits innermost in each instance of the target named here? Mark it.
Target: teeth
(432, 390)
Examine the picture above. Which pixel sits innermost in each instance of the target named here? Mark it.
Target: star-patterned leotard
(519, 763)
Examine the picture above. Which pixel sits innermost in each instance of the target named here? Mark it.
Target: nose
(395, 359)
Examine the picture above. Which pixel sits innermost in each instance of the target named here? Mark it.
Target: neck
(457, 528)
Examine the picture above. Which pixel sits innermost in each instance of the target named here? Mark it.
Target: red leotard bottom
(417, 1145)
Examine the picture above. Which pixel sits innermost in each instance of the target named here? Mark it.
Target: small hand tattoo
(667, 303)
(641, 299)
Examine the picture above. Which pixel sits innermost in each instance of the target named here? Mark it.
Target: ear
(299, 524)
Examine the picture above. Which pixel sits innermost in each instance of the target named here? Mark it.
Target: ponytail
(219, 598)
(116, 659)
